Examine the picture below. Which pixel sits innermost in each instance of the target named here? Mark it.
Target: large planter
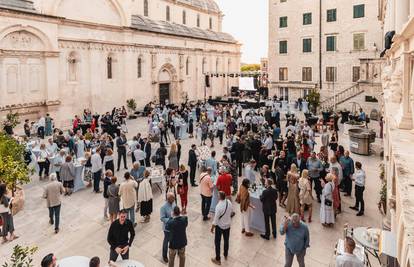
(18, 201)
(353, 125)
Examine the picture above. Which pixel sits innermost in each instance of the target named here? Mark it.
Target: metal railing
(341, 97)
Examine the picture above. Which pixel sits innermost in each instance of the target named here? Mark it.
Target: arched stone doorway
(168, 84)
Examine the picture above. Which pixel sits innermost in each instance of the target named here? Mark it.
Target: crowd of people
(296, 167)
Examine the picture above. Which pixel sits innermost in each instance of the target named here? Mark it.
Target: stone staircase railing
(341, 97)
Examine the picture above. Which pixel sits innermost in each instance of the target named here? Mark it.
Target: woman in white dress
(80, 147)
(327, 211)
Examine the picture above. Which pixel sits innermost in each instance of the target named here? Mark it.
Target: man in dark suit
(147, 150)
(300, 162)
(269, 198)
(192, 162)
(237, 150)
(121, 144)
(177, 227)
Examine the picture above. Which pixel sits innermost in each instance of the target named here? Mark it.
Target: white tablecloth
(128, 263)
(78, 261)
(257, 216)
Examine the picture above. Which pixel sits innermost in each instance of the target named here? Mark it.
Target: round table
(128, 263)
(371, 248)
(78, 261)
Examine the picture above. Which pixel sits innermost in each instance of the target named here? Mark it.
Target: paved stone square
(83, 229)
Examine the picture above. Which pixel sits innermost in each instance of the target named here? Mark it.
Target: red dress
(305, 152)
(335, 195)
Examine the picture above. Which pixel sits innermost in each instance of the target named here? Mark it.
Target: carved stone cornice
(30, 105)
(39, 54)
(139, 48)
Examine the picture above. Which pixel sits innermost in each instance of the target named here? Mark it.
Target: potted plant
(12, 120)
(353, 124)
(313, 98)
(14, 171)
(132, 106)
(382, 203)
(21, 257)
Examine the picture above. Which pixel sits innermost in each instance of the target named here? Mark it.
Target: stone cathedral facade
(61, 56)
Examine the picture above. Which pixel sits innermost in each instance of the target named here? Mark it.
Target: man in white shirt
(221, 126)
(348, 259)
(222, 223)
(41, 124)
(140, 155)
(96, 169)
(359, 177)
(268, 142)
(51, 147)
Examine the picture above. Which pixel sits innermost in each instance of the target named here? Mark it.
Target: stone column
(392, 15)
(402, 9)
(52, 78)
(411, 8)
(97, 57)
(404, 116)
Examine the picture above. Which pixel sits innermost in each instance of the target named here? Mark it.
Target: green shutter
(330, 43)
(359, 11)
(282, 22)
(307, 18)
(282, 47)
(307, 45)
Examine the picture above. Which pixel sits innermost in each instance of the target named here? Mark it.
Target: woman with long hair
(6, 215)
(108, 160)
(305, 195)
(243, 198)
(68, 175)
(145, 197)
(293, 203)
(183, 188)
(113, 199)
(173, 157)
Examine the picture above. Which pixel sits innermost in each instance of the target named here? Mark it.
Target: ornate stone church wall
(62, 66)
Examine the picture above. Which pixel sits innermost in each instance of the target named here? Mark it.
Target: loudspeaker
(207, 81)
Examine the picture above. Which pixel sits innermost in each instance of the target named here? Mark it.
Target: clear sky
(247, 21)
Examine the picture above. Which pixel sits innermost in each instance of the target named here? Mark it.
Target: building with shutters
(315, 44)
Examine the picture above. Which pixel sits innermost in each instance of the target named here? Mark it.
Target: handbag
(238, 200)
(328, 202)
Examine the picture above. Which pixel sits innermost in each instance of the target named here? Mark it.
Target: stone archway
(168, 84)
(23, 65)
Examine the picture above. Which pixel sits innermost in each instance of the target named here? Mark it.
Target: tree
(13, 169)
(131, 105)
(313, 99)
(21, 257)
(250, 67)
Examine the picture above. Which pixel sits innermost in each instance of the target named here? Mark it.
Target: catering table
(157, 176)
(78, 183)
(305, 106)
(127, 263)
(360, 236)
(203, 153)
(78, 261)
(257, 216)
(210, 114)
